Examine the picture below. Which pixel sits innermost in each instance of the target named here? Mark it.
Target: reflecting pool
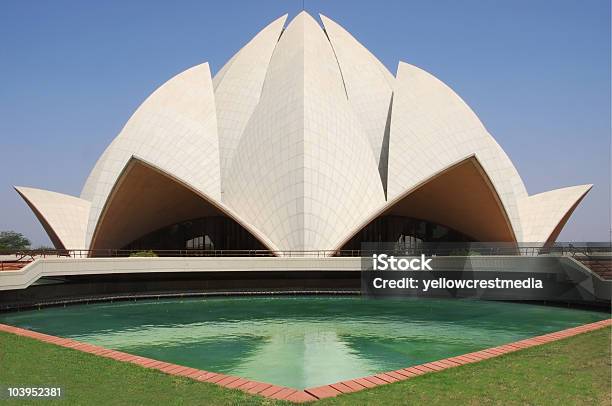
(300, 341)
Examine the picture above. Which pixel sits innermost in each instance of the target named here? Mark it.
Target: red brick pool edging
(308, 394)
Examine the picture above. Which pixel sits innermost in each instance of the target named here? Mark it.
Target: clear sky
(537, 72)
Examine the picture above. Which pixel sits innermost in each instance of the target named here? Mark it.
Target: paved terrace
(55, 266)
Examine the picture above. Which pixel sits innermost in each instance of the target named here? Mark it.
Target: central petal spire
(304, 172)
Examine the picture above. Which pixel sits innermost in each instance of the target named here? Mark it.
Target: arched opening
(459, 204)
(148, 209)
(405, 231)
(206, 233)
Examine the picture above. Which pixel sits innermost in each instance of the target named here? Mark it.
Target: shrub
(148, 253)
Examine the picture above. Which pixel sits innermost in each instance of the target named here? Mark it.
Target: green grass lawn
(571, 371)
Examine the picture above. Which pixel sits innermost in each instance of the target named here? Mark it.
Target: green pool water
(300, 341)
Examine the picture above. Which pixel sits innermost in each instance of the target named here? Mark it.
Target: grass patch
(87, 379)
(571, 371)
(574, 371)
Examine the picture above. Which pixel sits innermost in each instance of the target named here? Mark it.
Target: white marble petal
(542, 213)
(63, 215)
(238, 88)
(175, 129)
(431, 127)
(304, 173)
(369, 87)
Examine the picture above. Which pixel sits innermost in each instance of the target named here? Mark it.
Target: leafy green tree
(12, 240)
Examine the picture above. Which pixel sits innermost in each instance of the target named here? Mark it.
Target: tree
(12, 240)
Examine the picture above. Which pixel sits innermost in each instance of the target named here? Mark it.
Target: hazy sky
(537, 72)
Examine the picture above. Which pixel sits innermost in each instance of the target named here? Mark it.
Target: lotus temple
(222, 237)
(303, 141)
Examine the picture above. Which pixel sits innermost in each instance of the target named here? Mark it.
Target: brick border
(308, 394)
(366, 382)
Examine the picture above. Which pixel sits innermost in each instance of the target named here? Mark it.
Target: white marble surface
(289, 140)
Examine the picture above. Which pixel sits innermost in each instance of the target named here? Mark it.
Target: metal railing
(429, 249)
(24, 255)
